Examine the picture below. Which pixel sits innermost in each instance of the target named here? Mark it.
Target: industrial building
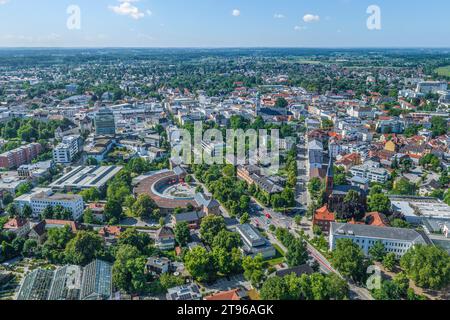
(86, 177)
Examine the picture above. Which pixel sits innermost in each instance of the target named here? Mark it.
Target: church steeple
(258, 104)
(330, 177)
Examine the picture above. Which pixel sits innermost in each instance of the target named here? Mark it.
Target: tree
(168, 281)
(83, 248)
(227, 240)
(404, 187)
(133, 237)
(349, 259)
(129, 269)
(7, 198)
(254, 269)
(210, 227)
(388, 291)
(200, 264)
(400, 223)
(379, 203)
(245, 218)
(58, 238)
(24, 188)
(113, 211)
(27, 212)
(275, 288)
(315, 188)
(30, 248)
(327, 124)
(427, 266)
(12, 210)
(378, 251)
(182, 233)
(88, 216)
(228, 170)
(438, 126)
(297, 253)
(144, 207)
(389, 261)
(91, 161)
(91, 194)
(430, 161)
(281, 103)
(227, 262)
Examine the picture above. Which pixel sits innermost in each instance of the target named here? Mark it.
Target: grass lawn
(443, 71)
(279, 257)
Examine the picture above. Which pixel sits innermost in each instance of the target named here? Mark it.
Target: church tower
(330, 177)
(258, 104)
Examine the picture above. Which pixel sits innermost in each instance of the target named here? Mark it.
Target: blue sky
(224, 23)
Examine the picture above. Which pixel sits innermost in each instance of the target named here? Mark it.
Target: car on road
(268, 216)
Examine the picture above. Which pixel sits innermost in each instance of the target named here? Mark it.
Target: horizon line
(229, 47)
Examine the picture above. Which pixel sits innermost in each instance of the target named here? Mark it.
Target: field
(443, 71)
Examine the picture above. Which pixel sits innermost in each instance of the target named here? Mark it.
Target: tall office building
(104, 122)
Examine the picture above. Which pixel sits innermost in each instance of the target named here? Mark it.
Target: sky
(224, 23)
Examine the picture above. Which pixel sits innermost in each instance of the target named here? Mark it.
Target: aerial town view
(224, 150)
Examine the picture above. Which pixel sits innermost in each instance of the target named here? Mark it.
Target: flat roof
(421, 207)
(388, 233)
(84, 177)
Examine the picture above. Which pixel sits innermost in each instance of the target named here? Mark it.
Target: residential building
(252, 175)
(157, 265)
(165, 239)
(18, 226)
(370, 170)
(185, 292)
(323, 218)
(395, 240)
(22, 155)
(66, 151)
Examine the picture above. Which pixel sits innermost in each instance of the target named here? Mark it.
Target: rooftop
(86, 177)
(364, 231)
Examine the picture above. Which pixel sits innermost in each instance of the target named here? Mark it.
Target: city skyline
(211, 24)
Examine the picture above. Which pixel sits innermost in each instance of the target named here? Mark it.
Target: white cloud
(279, 16)
(126, 8)
(311, 18)
(3, 2)
(149, 12)
(236, 12)
(299, 28)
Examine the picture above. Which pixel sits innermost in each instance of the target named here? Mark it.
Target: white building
(67, 149)
(73, 202)
(370, 170)
(396, 240)
(41, 198)
(431, 86)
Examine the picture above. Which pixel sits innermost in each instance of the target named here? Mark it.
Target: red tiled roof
(15, 223)
(324, 214)
(225, 295)
(374, 219)
(110, 231)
